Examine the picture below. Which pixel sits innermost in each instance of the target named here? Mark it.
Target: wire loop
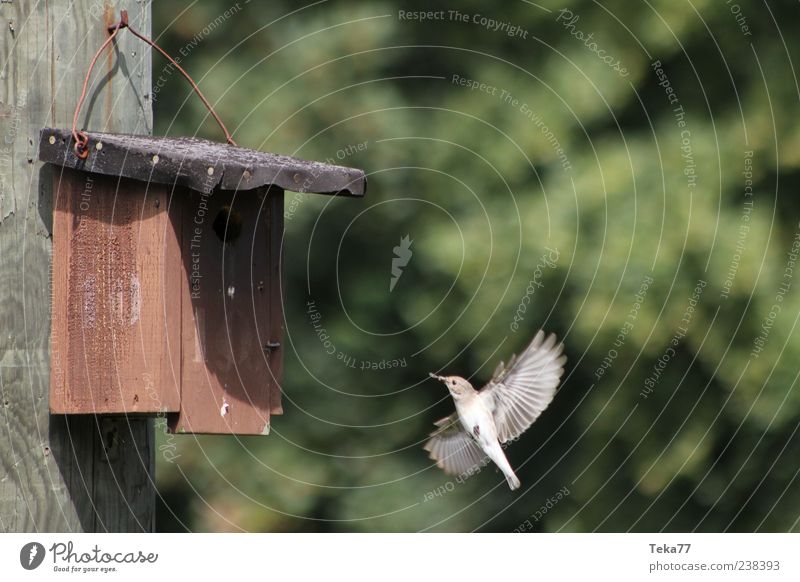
(80, 137)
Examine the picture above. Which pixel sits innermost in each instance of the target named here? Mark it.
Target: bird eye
(453, 382)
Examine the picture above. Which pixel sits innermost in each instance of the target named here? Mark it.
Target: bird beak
(434, 376)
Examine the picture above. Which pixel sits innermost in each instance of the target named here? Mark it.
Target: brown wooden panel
(275, 355)
(115, 259)
(227, 296)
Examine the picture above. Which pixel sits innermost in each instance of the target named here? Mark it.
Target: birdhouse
(167, 277)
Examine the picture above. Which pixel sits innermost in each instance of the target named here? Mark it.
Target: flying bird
(499, 412)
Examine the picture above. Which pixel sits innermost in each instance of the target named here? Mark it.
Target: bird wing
(519, 392)
(452, 448)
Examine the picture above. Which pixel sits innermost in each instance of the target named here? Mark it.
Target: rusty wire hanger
(81, 138)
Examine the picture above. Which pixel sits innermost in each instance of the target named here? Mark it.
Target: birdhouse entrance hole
(228, 224)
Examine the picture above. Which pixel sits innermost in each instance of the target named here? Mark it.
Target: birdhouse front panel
(232, 319)
(167, 277)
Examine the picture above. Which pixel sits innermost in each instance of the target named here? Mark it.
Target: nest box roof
(197, 163)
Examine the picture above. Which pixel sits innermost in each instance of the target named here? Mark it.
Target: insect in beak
(440, 378)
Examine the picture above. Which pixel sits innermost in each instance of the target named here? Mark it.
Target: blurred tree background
(645, 211)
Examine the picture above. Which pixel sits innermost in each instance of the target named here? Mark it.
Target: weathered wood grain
(227, 302)
(115, 259)
(274, 342)
(198, 164)
(57, 473)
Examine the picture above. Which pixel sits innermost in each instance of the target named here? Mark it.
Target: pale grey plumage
(511, 402)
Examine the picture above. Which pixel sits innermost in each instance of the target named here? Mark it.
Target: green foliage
(482, 190)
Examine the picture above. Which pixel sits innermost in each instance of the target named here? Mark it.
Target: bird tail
(513, 481)
(496, 454)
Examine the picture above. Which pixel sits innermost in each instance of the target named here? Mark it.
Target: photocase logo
(402, 254)
(31, 555)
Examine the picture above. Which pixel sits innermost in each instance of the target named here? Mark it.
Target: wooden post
(82, 473)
